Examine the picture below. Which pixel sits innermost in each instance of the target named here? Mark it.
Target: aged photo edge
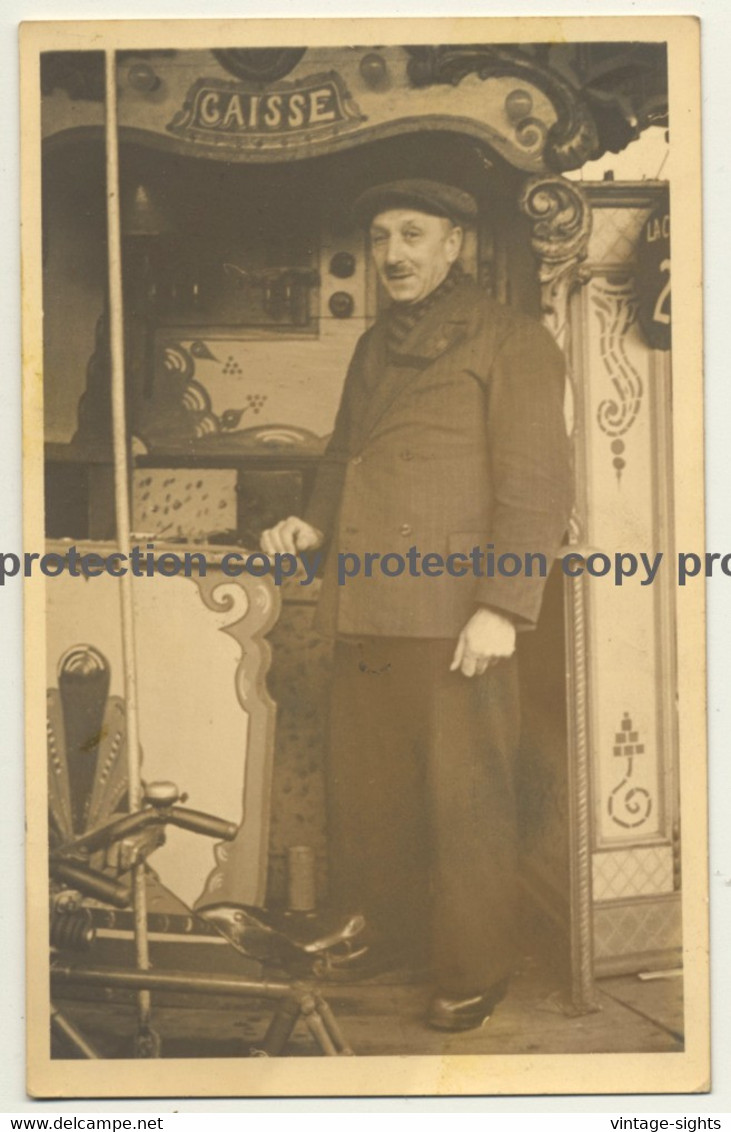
(685, 1072)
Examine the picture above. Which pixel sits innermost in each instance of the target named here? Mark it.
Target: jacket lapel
(390, 373)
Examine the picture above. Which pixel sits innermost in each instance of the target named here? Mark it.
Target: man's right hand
(291, 536)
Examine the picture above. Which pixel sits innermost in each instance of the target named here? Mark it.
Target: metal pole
(122, 512)
(185, 981)
(297, 1000)
(61, 1025)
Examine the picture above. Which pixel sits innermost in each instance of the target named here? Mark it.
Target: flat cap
(433, 197)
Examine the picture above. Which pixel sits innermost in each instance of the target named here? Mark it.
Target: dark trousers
(421, 807)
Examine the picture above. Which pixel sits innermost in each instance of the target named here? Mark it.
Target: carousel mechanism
(124, 843)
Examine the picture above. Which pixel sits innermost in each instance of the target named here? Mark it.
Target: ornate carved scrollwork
(252, 606)
(570, 141)
(560, 217)
(561, 220)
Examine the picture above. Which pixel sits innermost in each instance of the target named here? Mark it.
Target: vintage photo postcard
(364, 561)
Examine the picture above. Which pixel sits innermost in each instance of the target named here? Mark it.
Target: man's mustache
(398, 272)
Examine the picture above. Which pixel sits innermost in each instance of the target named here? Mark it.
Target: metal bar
(121, 503)
(112, 831)
(331, 1025)
(205, 824)
(62, 1026)
(583, 990)
(281, 1027)
(92, 883)
(169, 980)
(317, 1028)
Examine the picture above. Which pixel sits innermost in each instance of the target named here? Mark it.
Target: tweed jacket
(453, 440)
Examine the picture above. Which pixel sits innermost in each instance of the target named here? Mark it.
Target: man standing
(449, 436)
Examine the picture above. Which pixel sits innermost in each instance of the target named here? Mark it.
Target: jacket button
(405, 529)
(357, 460)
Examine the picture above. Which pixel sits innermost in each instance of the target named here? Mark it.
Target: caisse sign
(230, 113)
(653, 278)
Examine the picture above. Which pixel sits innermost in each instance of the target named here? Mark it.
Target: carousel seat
(290, 941)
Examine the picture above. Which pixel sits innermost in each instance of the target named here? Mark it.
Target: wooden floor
(386, 1017)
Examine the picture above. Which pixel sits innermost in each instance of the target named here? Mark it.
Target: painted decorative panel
(632, 872)
(233, 388)
(191, 503)
(624, 399)
(629, 929)
(242, 383)
(614, 235)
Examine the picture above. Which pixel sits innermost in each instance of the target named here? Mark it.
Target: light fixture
(341, 304)
(141, 77)
(342, 265)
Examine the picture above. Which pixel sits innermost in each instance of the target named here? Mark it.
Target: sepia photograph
(363, 490)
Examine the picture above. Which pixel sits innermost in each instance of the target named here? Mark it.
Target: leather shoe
(450, 1013)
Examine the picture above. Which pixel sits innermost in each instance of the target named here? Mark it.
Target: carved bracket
(570, 141)
(561, 219)
(253, 605)
(560, 216)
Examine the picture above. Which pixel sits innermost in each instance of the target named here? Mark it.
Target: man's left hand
(487, 637)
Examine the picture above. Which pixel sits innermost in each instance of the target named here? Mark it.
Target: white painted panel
(193, 728)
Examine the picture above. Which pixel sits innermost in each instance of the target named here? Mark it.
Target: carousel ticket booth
(246, 288)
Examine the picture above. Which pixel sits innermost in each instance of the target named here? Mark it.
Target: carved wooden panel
(623, 448)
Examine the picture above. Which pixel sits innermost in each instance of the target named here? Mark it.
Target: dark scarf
(403, 317)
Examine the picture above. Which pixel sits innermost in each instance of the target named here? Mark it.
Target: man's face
(413, 251)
